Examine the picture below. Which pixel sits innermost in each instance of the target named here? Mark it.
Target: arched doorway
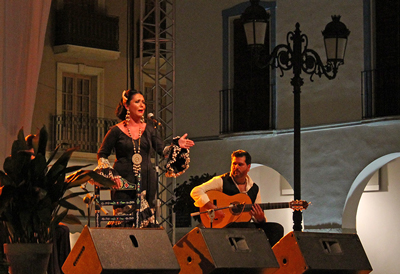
(373, 214)
(357, 188)
(274, 188)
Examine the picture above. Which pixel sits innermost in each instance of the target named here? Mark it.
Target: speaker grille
(328, 253)
(121, 250)
(227, 250)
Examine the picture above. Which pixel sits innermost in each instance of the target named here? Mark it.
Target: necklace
(136, 158)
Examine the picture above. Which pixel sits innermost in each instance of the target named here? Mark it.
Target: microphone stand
(157, 168)
(88, 200)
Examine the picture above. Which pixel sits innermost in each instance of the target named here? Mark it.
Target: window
(80, 107)
(387, 80)
(80, 80)
(251, 86)
(77, 106)
(76, 95)
(248, 96)
(381, 90)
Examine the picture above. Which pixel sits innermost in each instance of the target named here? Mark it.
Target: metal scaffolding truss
(157, 81)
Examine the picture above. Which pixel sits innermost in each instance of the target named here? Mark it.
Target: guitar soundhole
(237, 208)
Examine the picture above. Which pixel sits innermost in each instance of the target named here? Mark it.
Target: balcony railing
(85, 132)
(87, 30)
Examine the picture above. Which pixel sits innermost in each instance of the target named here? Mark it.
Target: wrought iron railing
(85, 132)
(86, 29)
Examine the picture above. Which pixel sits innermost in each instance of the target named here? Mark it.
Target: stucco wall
(115, 74)
(331, 160)
(378, 222)
(199, 63)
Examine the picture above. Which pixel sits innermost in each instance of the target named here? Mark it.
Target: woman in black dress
(133, 140)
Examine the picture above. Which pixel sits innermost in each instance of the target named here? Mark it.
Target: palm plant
(33, 188)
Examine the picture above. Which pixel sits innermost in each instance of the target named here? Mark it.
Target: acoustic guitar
(237, 208)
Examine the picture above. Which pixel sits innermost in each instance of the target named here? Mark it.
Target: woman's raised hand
(184, 142)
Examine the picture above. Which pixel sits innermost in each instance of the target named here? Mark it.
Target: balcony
(85, 132)
(86, 35)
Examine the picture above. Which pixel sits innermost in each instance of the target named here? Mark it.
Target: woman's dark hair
(120, 112)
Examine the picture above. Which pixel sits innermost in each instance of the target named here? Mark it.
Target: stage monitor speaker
(225, 250)
(120, 251)
(328, 253)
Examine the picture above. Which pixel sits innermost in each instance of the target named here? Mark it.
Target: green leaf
(7, 193)
(75, 168)
(99, 179)
(71, 220)
(57, 219)
(68, 205)
(75, 194)
(41, 141)
(53, 154)
(4, 179)
(32, 189)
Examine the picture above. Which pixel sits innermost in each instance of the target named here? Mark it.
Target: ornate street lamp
(296, 56)
(255, 21)
(335, 40)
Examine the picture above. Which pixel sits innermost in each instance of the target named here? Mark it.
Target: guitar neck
(266, 206)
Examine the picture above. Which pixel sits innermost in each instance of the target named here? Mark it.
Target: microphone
(151, 117)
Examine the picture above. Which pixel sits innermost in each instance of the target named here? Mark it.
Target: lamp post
(296, 56)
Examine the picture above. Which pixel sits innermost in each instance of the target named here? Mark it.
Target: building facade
(350, 125)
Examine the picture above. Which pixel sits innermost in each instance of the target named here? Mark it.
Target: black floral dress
(150, 142)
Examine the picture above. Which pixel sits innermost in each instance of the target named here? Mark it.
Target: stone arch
(269, 181)
(357, 188)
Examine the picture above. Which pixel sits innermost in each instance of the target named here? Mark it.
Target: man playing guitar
(235, 182)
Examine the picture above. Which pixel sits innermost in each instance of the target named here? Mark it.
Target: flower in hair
(125, 96)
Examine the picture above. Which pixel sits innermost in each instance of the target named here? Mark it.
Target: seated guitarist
(235, 182)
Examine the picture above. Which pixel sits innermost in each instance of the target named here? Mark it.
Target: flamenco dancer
(133, 140)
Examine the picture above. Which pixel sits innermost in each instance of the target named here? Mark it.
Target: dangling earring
(142, 119)
(128, 115)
